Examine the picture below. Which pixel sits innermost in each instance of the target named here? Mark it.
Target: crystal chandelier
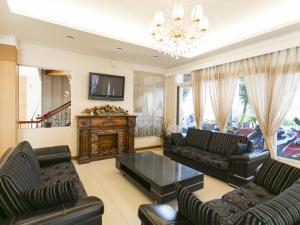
(178, 35)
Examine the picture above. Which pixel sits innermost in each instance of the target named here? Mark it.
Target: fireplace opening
(107, 144)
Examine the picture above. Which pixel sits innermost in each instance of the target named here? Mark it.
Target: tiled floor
(122, 199)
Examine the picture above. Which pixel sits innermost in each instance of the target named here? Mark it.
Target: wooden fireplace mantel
(102, 137)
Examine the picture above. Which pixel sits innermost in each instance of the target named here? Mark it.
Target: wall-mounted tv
(106, 87)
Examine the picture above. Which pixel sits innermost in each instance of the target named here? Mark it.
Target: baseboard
(148, 147)
(74, 157)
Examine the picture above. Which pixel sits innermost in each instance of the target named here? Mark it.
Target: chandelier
(178, 35)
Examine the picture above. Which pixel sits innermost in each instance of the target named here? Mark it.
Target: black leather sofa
(23, 169)
(273, 198)
(226, 156)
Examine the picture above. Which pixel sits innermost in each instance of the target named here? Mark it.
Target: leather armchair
(85, 211)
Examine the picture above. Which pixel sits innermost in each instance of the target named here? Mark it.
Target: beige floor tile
(128, 201)
(122, 198)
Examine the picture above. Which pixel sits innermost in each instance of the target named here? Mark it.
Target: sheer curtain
(222, 83)
(199, 89)
(148, 103)
(271, 82)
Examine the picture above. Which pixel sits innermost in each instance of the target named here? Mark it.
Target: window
(288, 135)
(148, 103)
(185, 115)
(185, 108)
(242, 120)
(209, 120)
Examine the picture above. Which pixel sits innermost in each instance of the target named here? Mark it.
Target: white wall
(8, 40)
(80, 65)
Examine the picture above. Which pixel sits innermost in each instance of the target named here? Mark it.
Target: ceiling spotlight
(70, 37)
(119, 49)
(155, 56)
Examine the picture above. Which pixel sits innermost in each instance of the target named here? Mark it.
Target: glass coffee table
(156, 175)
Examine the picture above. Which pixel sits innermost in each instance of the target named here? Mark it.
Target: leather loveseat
(32, 183)
(273, 198)
(226, 156)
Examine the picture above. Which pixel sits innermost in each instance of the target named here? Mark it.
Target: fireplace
(102, 137)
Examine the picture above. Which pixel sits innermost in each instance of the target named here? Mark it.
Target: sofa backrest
(284, 209)
(18, 172)
(198, 138)
(223, 143)
(193, 209)
(276, 176)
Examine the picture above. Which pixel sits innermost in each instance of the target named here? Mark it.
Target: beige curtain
(199, 89)
(222, 83)
(271, 82)
(171, 102)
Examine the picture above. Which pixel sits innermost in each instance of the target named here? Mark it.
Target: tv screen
(106, 87)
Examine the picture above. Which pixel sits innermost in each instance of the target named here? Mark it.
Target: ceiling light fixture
(119, 49)
(178, 35)
(155, 56)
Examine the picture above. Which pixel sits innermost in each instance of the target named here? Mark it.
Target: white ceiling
(100, 26)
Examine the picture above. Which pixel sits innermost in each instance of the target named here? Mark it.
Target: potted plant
(47, 122)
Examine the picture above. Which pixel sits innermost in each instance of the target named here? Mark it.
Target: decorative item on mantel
(106, 110)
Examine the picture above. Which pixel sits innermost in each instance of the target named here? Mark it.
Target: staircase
(59, 117)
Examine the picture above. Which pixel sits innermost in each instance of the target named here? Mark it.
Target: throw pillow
(276, 176)
(12, 202)
(239, 149)
(58, 193)
(178, 139)
(193, 209)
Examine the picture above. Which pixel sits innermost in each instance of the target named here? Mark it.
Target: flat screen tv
(106, 87)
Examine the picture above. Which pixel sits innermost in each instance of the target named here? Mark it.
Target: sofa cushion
(281, 210)
(217, 161)
(240, 149)
(276, 176)
(193, 209)
(178, 139)
(224, 143)
(185, 151)
(248, 195)
(198, 138)
(51, 195)
(61, 172)
(229, 214)
(208, 158)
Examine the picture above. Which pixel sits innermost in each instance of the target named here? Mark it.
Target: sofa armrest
(168, 141)
(81, 212)
(160, 215)
(245, 165)
(250, 156)
(52, 155)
